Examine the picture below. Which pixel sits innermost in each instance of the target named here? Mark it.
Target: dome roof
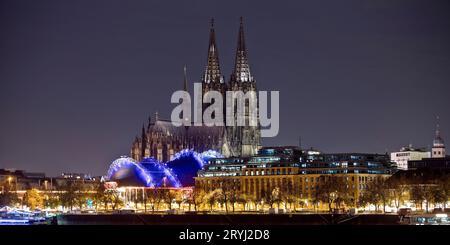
(180, 171)
(186, 163)
(160, 174)
(126, 171)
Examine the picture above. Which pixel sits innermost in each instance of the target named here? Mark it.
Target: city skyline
(77, 86)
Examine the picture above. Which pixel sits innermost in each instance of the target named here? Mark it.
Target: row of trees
(332, 193)
(71, 195)
(396, 191)
(8, 196)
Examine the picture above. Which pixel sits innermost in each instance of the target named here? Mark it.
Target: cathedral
(161, 139)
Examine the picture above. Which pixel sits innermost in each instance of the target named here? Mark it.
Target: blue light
(210, 154)
(178, 172)
(13, 221)
(160, 173)
(188, 153)
(124, 167)
(89, 203)
(186, 163)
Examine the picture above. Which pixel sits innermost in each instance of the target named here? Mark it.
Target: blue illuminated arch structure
(178, 172)
(161, 175)
(186, 163)
(126, 171)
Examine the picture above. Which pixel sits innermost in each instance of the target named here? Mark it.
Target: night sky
(79, 78)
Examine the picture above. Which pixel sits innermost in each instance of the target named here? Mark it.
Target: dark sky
(79, 78)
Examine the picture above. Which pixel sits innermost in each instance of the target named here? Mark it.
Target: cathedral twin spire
(237, 141)
(231, 141)
(241, 71)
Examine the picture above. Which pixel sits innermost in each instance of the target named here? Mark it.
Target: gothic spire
(185, 86)
(241, 72)
(143, 131)
(144, 142)
(437, 127)
(212, 71)
(437, 138)
(149, 124)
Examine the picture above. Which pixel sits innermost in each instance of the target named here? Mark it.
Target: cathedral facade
(161, 139)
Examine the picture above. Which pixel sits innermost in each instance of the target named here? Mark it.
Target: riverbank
(229, 219)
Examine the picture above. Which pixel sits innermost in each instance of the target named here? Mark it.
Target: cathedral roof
(166, 127)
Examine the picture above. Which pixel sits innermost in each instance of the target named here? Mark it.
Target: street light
(10, 178)
(333, 197)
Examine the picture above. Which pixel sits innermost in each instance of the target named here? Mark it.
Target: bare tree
(179, 198)
(112, 196)
(417, 195)
(230, 191)
(428, 194)
(212, 197)
(268, 198)
(439, 196)
(8, 197)
(287, 194)
(68, 194)
(80, 194)
(332, 190)
(398, 188)
(198, 196)
(168, 196)
(377, 193)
